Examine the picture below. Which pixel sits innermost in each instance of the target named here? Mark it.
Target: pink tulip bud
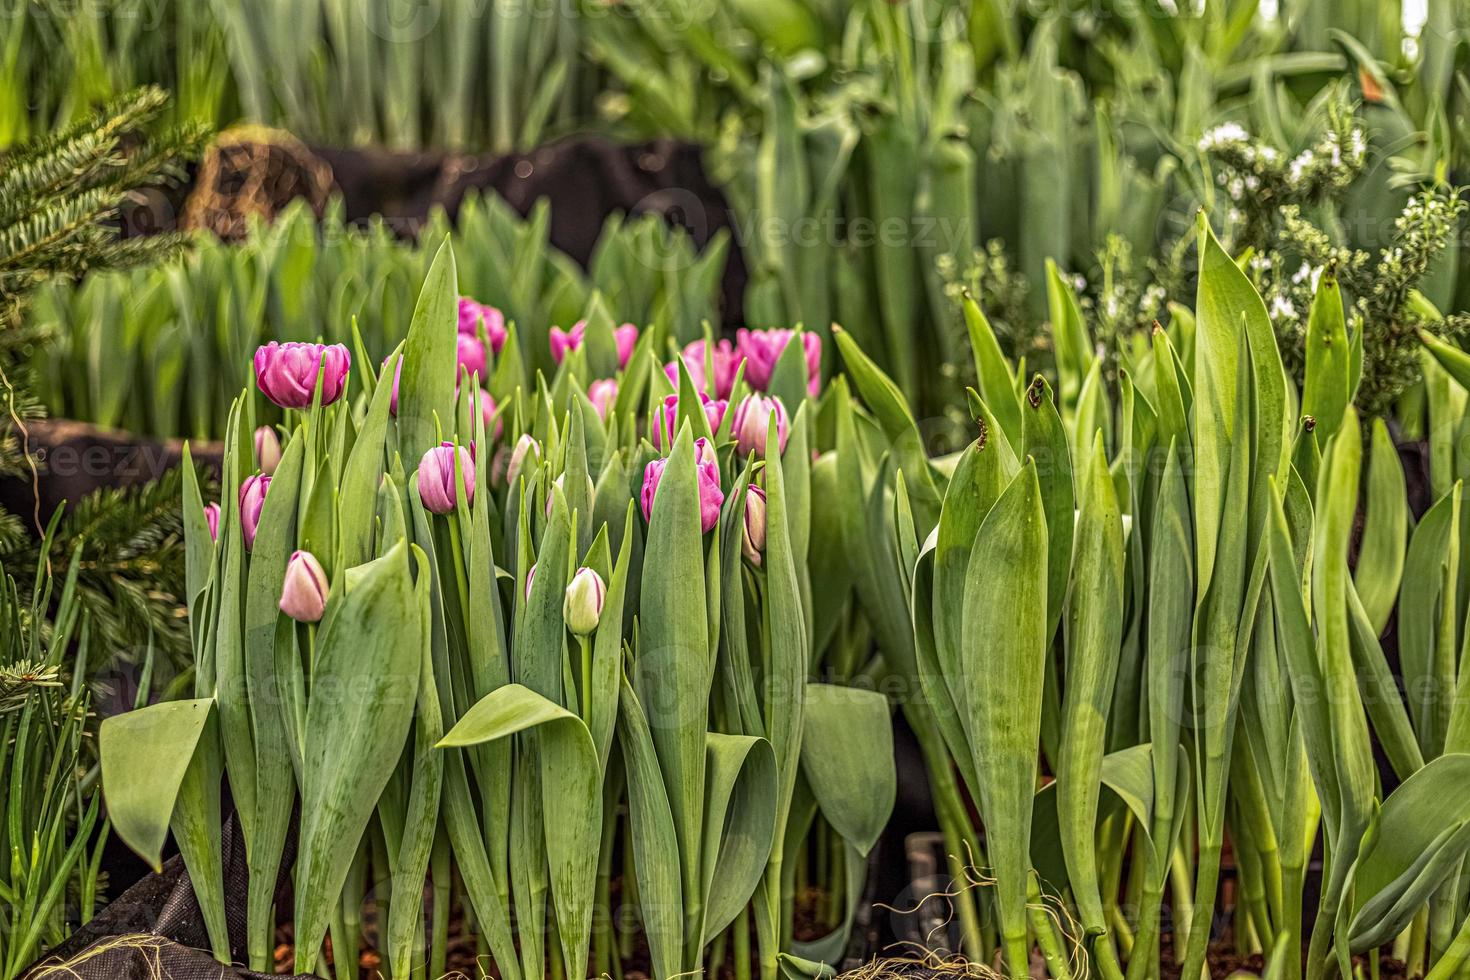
(665, 421)
(252, 500)
(489, 412)
(437, 487)
(753, 537)
(602, 394)
(397, 377)
(304, 593)
(470, 316)
(725, 362)
(211, 514)
(750, 425)
(626, 337)
(711, 497)
(763, 348)
(560, 484)
(267, 450)
(527, 449)
(581, 608)
(286, 373)
(530, 579)
(470, 356)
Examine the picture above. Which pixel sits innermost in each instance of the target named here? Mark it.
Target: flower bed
(551, 613)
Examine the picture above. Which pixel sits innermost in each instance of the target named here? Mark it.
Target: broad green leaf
(846, 755)
(357, 498)
(1004, 669)
(607, 650)
(1385, 531)
(421, 810)
(1450, 357)
(1428, 621)
(993, 371)
(145, 754)
(1407, 826)
(651, 824)
(739, 828)
(1045, 443)
(1171, 610)
(674, 657)
(888, 405)
(1093, 634)
(1325, 391)
(426, 388)
(1226, 303)
(571, 798)
(1074, 348)
(598, 340)
(371, 648)
(275, 540)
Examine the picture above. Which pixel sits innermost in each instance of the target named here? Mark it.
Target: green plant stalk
(959, 851)
(716, 959)
(342, 967)
(1455, 957)
(441, 873)
(603, 940)
(1114, 833)
(352, 891)
(742, 945)
(1047, 937)
(1094, 632)
(1417, 957)
(960, 839)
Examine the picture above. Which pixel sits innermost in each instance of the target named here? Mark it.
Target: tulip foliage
(529, 641)
(1137, 641)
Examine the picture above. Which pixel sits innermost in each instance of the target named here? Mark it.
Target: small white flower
(1281, 306)
(1223, 134)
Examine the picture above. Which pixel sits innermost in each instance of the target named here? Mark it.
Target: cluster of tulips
(296, 375)
(519, 638)
(601, 632)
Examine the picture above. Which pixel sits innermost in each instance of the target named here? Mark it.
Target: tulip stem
(586, 679)
(458, 561)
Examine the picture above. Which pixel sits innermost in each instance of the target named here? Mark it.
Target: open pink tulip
(470, 315)
(252, 500)
(751, 421)
(725, 362)
(564, 342)
(711, 497)
(304, 593)
(437, 487)
(286, 373)
(762, 349)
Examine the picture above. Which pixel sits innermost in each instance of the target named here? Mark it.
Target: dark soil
(1223, 962)
(464, 959)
